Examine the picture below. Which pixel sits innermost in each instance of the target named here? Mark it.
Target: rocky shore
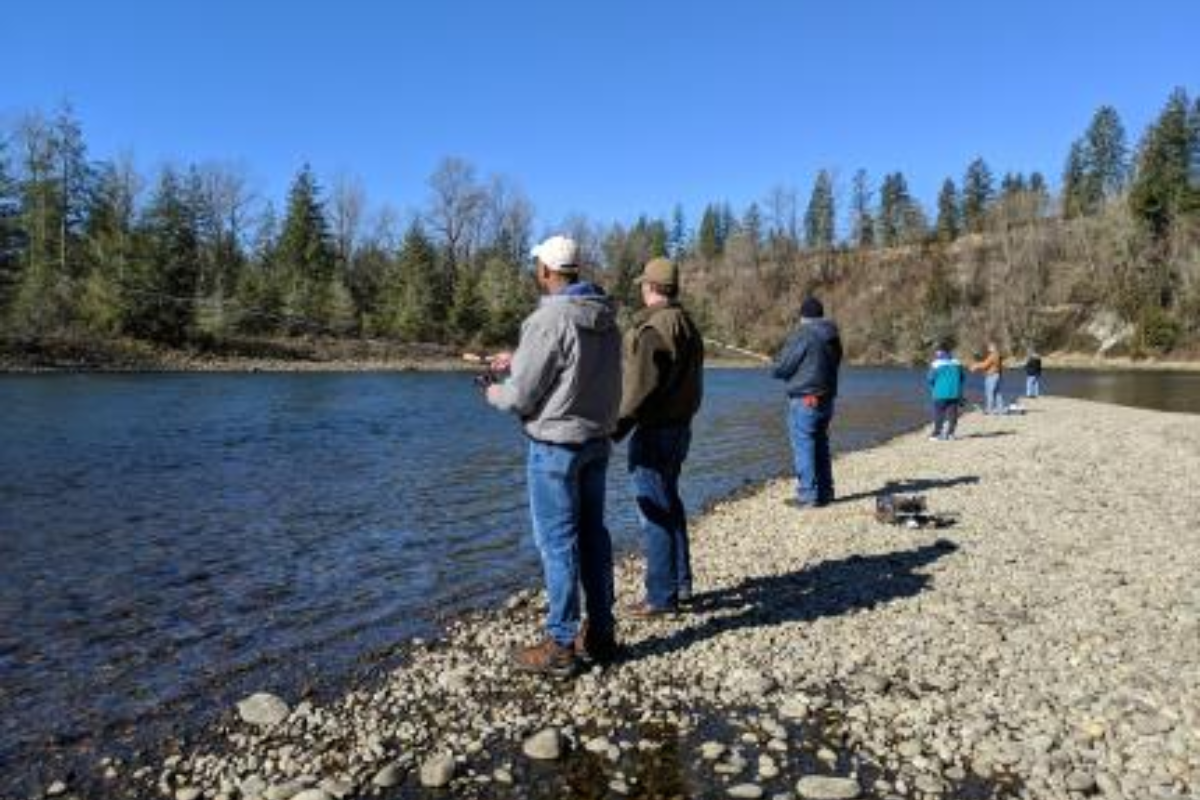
(1045, 645)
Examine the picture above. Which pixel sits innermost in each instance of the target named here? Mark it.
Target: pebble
(55, 789)
(187, 793)
(1079, 781)
(711, 751)
(545, 745)
(821, 787)
(338, 788)
(262, 709)
(437, 771)
(748, 791)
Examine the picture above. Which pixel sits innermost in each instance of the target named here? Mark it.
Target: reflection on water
(168, 543)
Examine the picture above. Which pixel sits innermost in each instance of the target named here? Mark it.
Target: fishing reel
(485, 379)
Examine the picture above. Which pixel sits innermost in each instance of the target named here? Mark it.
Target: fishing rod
(491, 372)
(740, 350)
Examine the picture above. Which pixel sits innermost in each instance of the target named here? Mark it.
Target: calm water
(169, 543)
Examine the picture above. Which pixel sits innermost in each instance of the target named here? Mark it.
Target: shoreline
(905, 662)
(365, 356)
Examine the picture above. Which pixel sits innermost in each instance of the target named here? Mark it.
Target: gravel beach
(1045, 645)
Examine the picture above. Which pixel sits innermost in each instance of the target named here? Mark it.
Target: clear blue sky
(606, 108)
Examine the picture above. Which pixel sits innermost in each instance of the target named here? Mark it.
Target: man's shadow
(911, 486)
(828, 589)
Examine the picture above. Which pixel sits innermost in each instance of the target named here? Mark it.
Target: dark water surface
(169, 543)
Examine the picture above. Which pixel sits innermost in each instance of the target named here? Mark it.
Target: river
(169, 543)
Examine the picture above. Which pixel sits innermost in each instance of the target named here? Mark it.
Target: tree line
(191, 255)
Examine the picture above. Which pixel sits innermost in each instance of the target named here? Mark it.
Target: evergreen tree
(710, 243)
(657, 236)
(1012, 185)
(54, 186)
(863, 223)
(1075, 191)
(977, 194)
(467, 312)
(948, 226)
(409, 309)
(262, 286)
(506, 300)
(11, 235)
(728, 224)
(110, 254)
(677, 243)
(306, 255)
(162, 297)
(819, 225)
(1161, 188)
(1039, 192)
(752, 225)
(1106, 153)
(895, 214)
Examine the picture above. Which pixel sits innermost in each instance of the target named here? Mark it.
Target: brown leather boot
(548, 657)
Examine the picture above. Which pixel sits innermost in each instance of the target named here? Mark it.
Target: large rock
(387, 777)
(823, 787)
(262, 709)
(545, 745)
(313, 794)
(437, 771)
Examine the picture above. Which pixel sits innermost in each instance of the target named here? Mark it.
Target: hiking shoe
(594, 648)
(548, 657)
(643, 610)
(792, 502)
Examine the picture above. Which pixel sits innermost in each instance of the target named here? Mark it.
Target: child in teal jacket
(946, 379)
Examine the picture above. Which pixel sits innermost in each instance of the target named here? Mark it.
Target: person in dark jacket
(1033, 374)
(662, 388)
(809, 362)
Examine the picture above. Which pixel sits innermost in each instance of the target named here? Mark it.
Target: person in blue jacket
(946, 379)
(809, 362)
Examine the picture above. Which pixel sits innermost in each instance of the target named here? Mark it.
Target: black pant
(945, 413)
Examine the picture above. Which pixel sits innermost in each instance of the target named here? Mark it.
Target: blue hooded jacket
(810, 359)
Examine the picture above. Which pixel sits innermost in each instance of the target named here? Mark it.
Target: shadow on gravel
(911, 486)
(828, 589)
(988, 435)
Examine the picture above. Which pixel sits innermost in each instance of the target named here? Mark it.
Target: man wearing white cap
(565, 385)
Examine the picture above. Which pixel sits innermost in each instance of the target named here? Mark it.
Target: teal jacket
(946, 379)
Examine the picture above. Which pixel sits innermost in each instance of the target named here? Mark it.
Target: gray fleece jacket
(565, 382)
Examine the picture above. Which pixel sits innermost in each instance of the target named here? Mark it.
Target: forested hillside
(100, 251)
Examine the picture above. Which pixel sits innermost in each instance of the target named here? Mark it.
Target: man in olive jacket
(661, 391)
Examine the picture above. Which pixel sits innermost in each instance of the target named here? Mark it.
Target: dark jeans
(809, 429)
(656, 457)
(945, 417)
(566, 501)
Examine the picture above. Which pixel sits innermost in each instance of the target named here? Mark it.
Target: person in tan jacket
(992, 367)
(662, 386)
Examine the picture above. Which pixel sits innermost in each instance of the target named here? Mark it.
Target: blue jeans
(809, 429)
(1033, 385)
(566, 501)
(993, 401)
(656, 457)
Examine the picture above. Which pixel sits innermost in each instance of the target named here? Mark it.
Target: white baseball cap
(558, 253)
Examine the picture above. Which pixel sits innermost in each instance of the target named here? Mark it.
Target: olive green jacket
(663, 377)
